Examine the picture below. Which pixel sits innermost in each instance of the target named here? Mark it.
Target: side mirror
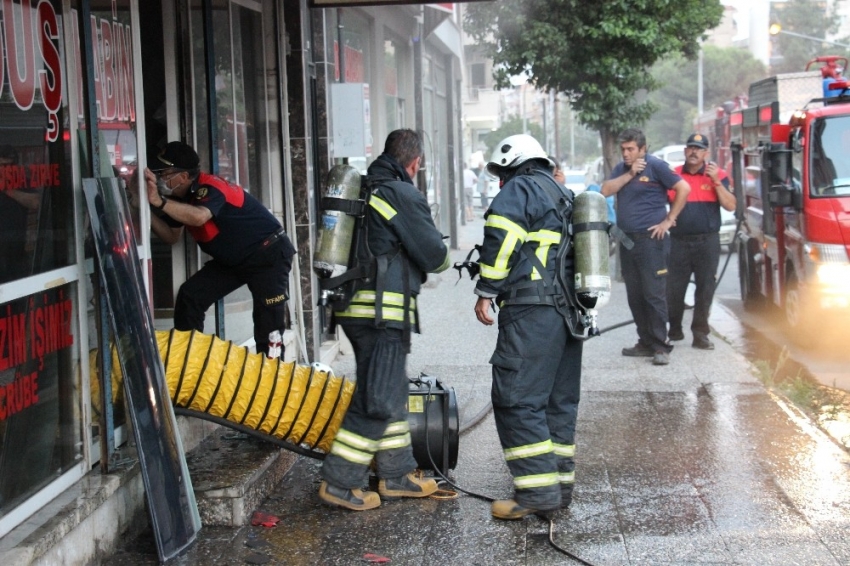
(782, 195)
(779, 164)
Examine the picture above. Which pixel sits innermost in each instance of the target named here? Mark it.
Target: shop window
(40, 427)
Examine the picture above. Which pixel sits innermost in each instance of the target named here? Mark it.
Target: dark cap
(697, 140)
(177, 155)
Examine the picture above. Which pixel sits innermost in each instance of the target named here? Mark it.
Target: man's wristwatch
(161, 206)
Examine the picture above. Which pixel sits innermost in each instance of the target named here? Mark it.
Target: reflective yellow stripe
(367, 296)
(492, 272)
(509, 226)
(546, 239)
(390, 442)
(356, 441)
(399, 427)
(565, 450)
(355, 311)
(446, 263)
(350, 454)
(567, 477)
(363, 306)
(538, 480)
(514, 236)
(382, 206)
(529, 450)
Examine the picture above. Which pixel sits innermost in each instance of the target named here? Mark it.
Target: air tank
(336, 228)
(590, 237)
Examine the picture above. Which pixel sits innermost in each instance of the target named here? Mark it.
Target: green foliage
(805, 17)
(598, 53)
(727, 73)
(510, 127)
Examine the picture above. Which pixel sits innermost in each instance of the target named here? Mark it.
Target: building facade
(94, 89)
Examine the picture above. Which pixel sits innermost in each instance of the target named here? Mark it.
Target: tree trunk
(610, 149)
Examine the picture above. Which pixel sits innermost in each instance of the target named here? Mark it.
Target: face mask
(163, 188)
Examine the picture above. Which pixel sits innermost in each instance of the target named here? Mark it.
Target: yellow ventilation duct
(298, 407)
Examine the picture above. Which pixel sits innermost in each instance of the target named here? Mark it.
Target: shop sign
(31, 63)
(31, 59)
(31, 330)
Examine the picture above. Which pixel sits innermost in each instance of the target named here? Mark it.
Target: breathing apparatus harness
(558, 290)
(364, 266)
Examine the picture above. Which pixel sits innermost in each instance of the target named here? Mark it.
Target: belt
(693, 237)
(526, 292)
(273, 238)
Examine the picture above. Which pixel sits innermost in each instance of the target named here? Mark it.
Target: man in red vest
(247, 244)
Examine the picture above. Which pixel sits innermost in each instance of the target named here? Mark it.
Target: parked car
(727, 229)
(673, 154)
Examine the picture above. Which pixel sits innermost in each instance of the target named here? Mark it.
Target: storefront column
(300, 75)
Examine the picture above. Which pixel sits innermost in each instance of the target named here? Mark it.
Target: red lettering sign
(18, 395)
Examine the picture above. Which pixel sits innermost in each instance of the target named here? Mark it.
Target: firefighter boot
(354, 499)
(410, 485)
(510, 510)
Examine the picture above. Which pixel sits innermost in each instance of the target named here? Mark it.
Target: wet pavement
(691, 463)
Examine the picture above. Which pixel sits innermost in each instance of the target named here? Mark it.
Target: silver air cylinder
(592, 273)
(336, 228)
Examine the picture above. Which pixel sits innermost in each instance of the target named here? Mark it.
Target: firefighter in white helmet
(537, 362)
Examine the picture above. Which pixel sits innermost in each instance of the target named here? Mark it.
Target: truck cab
(791, 171)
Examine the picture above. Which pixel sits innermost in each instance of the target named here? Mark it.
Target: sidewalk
(694, 462)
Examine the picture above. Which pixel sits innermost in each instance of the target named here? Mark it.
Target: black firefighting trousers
(375, 425)
(536, 382)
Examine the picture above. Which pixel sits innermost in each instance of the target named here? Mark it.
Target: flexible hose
(298, 407)
(466, 426)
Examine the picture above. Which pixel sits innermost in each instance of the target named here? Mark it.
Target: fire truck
(791, 172)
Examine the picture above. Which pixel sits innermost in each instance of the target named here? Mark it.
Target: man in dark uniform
(383, 310)
(695, 245)
(641, 183)
(247, 243)
(537, 362)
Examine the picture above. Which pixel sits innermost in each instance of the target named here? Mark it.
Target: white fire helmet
(515, 150)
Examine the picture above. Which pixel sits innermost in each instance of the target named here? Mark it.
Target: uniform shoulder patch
(202, 193)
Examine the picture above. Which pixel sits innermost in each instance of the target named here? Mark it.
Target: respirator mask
(162, 187)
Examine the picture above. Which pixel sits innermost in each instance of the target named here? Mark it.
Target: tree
(727, 73)
(510, 127)
(597, 53)
(805, 17)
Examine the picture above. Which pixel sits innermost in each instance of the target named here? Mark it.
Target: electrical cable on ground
(478, 417)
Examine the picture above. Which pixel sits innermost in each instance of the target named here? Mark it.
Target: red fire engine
(791, 171)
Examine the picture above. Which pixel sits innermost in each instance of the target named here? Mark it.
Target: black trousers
(644, 270)
(536, 391)
(698, 256)
(375, 424)
(265, 272)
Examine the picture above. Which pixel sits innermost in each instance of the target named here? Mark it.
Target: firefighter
(537, 362)
(406, 245)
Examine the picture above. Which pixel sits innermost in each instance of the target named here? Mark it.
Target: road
(764, 334)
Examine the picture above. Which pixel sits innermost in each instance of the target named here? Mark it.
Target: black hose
(716, 283)
(473, 421)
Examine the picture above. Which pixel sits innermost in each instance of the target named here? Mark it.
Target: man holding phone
(695, 241)
(641, 182)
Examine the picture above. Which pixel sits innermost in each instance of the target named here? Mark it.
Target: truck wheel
(750, 296)
(797, 314)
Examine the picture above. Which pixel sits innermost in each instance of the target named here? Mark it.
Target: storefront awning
(447, 7)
